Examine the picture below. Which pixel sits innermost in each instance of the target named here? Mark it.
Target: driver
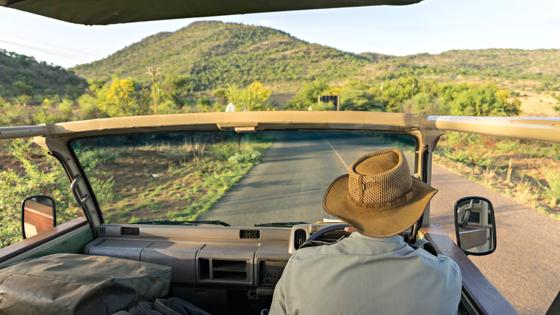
(373, 271)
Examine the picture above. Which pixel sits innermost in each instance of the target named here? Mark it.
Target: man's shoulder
(428, 259)
(440, 264)
(436, 258)
(315, 250)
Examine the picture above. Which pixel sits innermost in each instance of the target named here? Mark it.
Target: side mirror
(38, 215)
(475, 226)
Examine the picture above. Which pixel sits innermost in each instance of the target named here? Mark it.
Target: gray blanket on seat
(79, 284)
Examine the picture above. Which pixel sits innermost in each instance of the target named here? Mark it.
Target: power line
(48, 44)
(42, 50)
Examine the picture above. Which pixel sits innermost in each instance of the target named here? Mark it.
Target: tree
(14, 114)
(424, 103)
(308, 94)
(176, 89)
(121, 98)
(53, 110)
(557, 106)
(357, 96)
(484, 100)
(220, 94)
(396, 92)
(253, 97)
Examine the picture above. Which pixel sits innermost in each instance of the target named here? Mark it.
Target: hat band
(399, 201)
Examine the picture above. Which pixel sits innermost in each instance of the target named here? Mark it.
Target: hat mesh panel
(378, 189)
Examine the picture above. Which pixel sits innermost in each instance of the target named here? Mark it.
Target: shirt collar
(396, 239)
(358, 244)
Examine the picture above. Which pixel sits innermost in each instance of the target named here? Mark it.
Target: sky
(432, 26)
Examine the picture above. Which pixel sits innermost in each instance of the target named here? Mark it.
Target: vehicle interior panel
(237, 265)
(208, 262)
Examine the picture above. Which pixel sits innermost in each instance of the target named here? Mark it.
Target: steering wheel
(316, 238)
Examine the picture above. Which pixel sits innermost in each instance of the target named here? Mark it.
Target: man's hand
(350, 229)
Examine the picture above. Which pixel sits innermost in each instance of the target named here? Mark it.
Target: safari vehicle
(227, 258)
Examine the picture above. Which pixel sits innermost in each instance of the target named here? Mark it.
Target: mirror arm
(74, 187)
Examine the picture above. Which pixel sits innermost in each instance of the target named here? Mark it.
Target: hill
(23, 75)
(210, 54)
(504, 64)
(213, 54)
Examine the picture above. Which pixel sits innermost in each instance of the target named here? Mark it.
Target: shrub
(223, 151)
(35, 173)
(245, 157)
(358, 96)
(483, 100)
(552, 191)
(308, 94)
(253, 97)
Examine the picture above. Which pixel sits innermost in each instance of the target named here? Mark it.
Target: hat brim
(377, 222)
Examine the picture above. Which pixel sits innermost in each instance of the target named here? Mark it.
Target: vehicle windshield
(263, 178)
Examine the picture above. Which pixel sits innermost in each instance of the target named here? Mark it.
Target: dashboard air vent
(299, 237)
(222, 270)
(127, 230)
(270, 272)
(254, 234)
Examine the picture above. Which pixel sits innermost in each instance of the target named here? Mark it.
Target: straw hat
(378, 196)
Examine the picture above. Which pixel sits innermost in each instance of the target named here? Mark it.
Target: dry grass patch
(527, 171)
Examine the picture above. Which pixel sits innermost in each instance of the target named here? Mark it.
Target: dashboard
(208, 261)
(233, 270)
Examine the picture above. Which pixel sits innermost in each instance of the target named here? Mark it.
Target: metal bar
(532, 128)
(22, 131)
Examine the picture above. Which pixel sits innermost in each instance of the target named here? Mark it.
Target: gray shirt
(366, 275)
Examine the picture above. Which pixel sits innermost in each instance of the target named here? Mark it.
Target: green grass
(184, 189)
(552, 191)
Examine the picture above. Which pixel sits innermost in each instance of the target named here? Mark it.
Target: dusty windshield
(237, 179)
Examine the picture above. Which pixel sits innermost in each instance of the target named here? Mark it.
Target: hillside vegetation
(509, 64)
(25, 78)
(212, 54)
(205, 65)
(206, 55)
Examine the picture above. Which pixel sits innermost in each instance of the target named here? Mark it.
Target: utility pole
(153, 72)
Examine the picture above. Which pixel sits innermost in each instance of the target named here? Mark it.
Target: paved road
(289, 183)
(526, 264)
(286, 186)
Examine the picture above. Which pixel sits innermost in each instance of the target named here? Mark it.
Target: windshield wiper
(281, 224)
(195, 222)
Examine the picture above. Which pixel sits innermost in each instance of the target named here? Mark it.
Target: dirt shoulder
(524, 266)
(519, 178)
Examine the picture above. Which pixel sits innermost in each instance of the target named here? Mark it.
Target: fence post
(509, 171)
